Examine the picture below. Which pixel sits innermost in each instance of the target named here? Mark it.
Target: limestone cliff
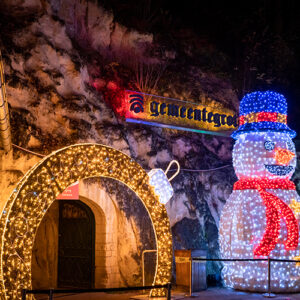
(62, 58)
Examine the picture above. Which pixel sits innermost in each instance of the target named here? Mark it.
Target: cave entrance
(94, 239)
(76, 245)
(38, 189)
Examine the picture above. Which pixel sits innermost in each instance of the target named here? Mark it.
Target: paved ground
(209, 294)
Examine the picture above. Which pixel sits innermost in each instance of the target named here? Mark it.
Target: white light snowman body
(262, 152)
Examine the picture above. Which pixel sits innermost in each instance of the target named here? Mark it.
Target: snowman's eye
(269, 146)
(290, 146)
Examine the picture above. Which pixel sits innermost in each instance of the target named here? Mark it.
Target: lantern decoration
(161, 183)
(259, 219)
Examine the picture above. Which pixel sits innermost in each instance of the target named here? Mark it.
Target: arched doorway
(76, 245)
(34, 194)
(64, 251)
(123, 230)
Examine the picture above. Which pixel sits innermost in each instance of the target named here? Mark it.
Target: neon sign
(177, 114)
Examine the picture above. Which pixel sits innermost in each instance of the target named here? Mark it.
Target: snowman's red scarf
(276, 209)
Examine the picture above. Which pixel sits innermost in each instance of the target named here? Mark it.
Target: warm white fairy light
(241, 228)
(243, 220)
(161, 184)
(39, 188)
(251, 155)
(264, 160)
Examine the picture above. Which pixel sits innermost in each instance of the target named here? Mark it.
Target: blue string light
(271, 104)
(263, 101)
(269, 146)
(263, 153)
(279, 170)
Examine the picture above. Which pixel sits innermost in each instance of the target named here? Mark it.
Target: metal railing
(51, 292)
(269, 293)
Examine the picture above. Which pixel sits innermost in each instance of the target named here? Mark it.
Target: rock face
(54, 51)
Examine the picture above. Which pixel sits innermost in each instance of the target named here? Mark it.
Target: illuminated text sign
(177, 114)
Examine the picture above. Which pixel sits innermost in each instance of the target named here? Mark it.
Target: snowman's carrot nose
(283, 156)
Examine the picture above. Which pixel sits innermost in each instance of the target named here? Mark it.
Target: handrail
(245, 259)
(269, 294)
(51, 292)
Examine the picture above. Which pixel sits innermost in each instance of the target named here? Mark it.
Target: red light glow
(276, 210)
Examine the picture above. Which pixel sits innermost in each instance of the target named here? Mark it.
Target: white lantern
(161, 183)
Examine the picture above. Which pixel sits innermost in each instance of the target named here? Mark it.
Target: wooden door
(76, 245)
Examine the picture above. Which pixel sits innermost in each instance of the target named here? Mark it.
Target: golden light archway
(36, 191)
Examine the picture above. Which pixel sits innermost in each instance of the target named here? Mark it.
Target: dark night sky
(261, 35)
(259, 39)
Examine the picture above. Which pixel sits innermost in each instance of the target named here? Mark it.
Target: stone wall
(117, 241)
(13, 166)
(45, 251)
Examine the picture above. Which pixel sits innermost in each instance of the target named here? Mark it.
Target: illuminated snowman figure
(260, 217)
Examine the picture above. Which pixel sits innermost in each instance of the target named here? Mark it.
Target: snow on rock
(181, 147)
(136, 138)
(179, 209)
(53, 32)
(68, 80)
(218, 146)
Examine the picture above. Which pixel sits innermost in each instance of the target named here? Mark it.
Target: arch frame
(41, 185)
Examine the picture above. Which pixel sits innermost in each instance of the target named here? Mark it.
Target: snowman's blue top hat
(261, 112)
